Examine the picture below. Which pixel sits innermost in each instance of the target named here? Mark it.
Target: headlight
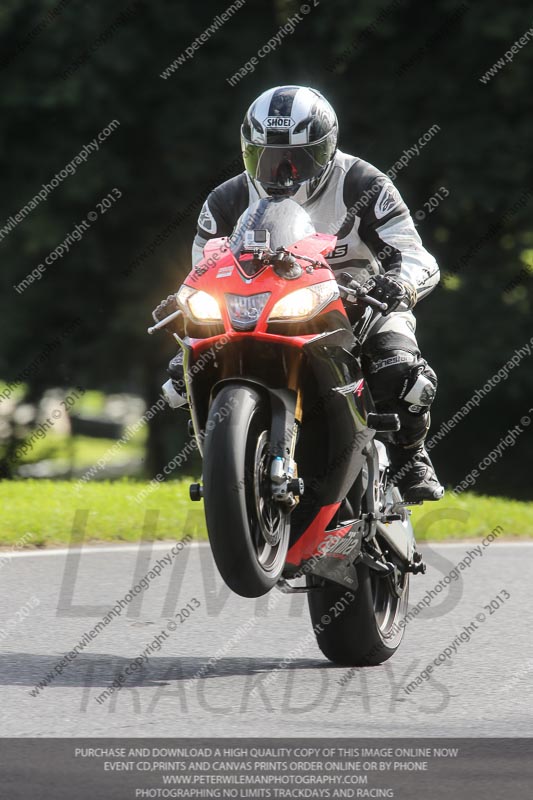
(305, 303)
(245, 310)
(199, 305)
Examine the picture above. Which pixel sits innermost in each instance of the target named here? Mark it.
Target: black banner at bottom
(127, 769)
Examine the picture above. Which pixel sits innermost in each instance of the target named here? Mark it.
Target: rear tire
(248, 532)
(365, 632)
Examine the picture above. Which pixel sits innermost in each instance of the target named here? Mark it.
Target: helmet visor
(286, 166)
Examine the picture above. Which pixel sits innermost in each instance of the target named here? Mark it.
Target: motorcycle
(296, 483)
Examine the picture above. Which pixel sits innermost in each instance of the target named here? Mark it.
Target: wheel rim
(269, 524)
(389, 609)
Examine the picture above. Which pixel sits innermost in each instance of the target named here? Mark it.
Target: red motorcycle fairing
(309, 543)
(220, 273)
(326, 551)
(333, 429)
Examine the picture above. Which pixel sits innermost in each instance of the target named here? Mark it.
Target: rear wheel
(248, 531)
(358, 627)
(364, 624)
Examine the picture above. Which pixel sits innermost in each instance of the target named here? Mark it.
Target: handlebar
(355, 290)
(164, 322)
(371, 301)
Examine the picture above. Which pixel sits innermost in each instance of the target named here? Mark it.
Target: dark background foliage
(391, 70)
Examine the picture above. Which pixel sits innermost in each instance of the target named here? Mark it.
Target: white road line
(468, 542)
(161, 546)
(98, 549)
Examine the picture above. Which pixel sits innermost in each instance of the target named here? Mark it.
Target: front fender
(282, 406)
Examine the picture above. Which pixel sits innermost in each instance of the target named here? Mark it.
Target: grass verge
(42, 513)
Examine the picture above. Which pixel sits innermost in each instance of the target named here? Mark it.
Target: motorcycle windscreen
(284, 220)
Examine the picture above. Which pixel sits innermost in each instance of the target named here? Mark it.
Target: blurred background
(77, 370)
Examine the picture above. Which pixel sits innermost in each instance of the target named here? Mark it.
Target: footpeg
(386, 518)
(284, 586)
(196, 491)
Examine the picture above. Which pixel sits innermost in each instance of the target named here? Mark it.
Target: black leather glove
(392, 290)
(165, 308)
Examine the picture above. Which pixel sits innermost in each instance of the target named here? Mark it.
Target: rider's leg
(177, 375)
(403, 383)
(174, 390)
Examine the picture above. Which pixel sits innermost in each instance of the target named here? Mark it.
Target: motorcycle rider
(289, 147)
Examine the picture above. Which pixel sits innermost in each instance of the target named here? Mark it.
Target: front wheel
(248, 532)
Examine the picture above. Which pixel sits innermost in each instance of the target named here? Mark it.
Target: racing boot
(174, 389)
(413, 473)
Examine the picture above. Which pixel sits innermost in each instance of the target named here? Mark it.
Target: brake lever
(164, 322)
(371, 301)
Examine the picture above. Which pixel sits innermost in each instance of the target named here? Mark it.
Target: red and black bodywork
(308, 370)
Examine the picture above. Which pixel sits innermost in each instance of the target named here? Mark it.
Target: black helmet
(288, 140)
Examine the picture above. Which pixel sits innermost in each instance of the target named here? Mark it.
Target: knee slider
(387, 372)
(419, 388)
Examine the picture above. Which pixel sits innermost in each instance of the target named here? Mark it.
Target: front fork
(286, 421)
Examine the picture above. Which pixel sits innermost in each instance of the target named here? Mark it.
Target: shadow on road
(27, 669)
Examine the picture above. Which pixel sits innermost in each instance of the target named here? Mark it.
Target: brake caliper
(286, 488)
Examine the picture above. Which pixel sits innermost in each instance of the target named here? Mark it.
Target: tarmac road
(483, 689)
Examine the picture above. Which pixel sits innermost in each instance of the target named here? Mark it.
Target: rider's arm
(220, 213)
(387, 228)
(211, 223)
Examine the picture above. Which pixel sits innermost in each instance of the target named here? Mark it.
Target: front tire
(248, 532)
